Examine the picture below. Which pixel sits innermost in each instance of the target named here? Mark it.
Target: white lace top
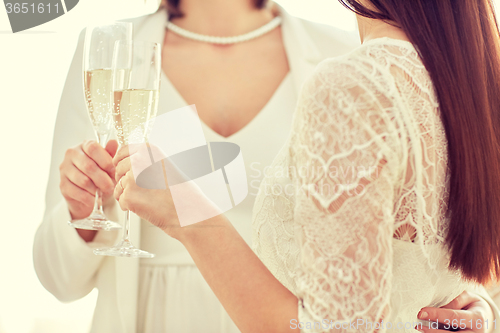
(351, 215)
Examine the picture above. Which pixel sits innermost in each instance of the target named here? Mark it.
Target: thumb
(111, 147)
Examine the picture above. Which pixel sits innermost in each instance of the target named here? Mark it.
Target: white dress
(353, 219)
(173, 296)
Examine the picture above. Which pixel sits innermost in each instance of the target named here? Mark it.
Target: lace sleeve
(347, 153)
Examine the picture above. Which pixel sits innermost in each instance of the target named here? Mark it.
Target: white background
(33, 67)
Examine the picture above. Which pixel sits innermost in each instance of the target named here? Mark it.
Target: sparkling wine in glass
(135, 104)
(98, 89)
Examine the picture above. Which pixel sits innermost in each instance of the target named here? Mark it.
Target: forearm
(64, 264)
(252, 296)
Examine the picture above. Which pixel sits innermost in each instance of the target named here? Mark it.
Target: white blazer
(65, 264)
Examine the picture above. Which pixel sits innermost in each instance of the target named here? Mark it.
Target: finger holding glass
(84, 169)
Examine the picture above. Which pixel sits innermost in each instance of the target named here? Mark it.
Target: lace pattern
(367, 162)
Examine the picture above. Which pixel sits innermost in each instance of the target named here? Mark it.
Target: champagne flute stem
(98, 202)
(126, 227)
(101, 139)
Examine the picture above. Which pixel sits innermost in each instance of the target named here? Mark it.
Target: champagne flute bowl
(98, 90)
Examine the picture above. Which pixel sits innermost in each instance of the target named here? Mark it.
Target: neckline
(389, 40)
(251, 123)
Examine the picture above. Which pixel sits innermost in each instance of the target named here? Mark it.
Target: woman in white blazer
(167, 294)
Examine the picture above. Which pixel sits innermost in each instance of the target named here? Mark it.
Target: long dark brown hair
(458, 41)
(174, 10)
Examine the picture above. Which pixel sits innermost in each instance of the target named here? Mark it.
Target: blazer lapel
(303, 54)
(152, 28)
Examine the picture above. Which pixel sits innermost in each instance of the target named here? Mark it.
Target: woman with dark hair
(394, 156)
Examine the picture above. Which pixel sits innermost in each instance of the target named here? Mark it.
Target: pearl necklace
(274, 23)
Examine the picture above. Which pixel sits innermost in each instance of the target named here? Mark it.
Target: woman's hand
(468, 313)
(225, 260)
(155, 206)
(86, 168)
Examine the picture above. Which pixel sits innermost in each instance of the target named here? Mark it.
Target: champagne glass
(135, 104)
(97, 77)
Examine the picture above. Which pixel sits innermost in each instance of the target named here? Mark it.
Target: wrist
(191, 234)
(87, 235)
(77, 214)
